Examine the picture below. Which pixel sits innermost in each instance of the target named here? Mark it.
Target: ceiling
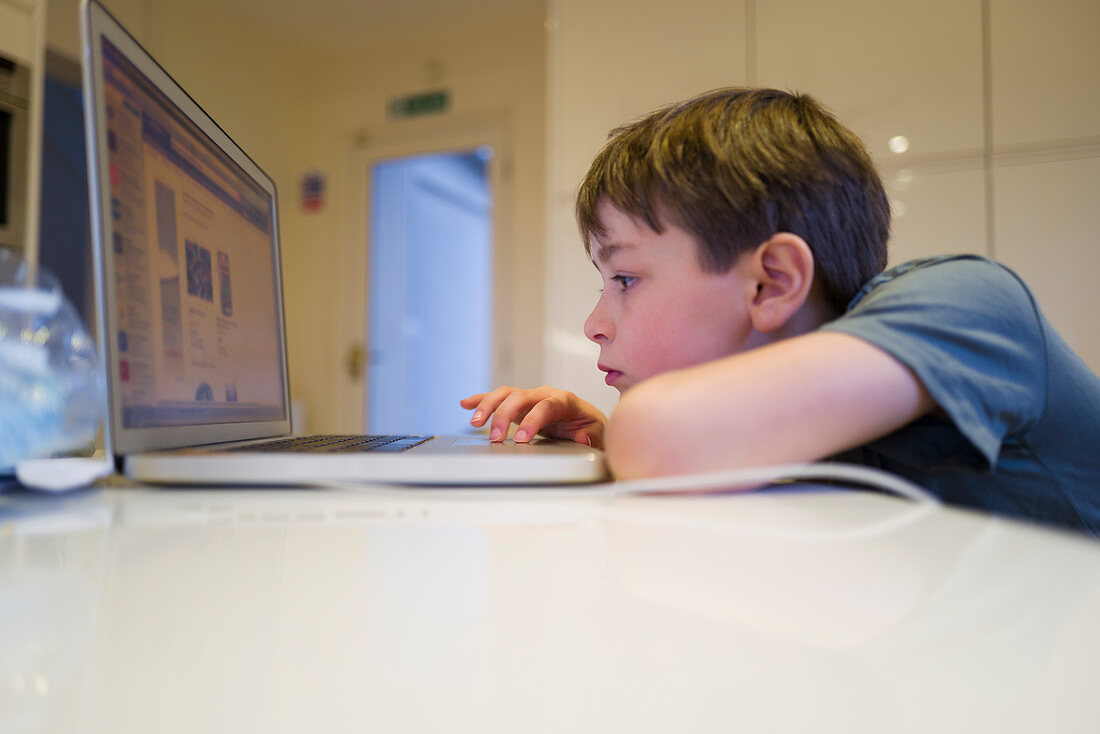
(355, 24)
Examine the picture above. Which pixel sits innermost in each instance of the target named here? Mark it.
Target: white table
(128, 610)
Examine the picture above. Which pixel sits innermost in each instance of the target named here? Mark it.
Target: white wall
(1045, 167)
(1001, 106)
(17, 31)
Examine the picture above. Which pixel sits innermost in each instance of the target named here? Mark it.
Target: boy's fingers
(472, 401)
(498, 431)
(543, 413)
(507, 405)
(513, 409)
(530, 425)
(488, 404)
(533, 410)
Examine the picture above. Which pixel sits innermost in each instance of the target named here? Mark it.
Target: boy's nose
(598, 327)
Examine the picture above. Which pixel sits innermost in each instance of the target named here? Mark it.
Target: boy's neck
(814, 314)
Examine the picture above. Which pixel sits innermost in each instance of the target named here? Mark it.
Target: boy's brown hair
(735, 166)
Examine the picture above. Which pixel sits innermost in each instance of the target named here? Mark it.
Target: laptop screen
(195, 280)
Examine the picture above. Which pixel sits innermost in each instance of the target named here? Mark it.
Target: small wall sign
(313, 191)
(417, 105)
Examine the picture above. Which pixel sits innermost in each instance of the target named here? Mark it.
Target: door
(430, 290)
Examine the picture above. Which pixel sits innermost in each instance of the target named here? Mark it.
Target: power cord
(757, 476)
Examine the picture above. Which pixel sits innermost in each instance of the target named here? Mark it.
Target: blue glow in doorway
(430, 320)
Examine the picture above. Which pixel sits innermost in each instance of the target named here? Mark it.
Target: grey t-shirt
(1017, 428)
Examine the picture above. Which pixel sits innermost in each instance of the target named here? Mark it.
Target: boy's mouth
(612, 376)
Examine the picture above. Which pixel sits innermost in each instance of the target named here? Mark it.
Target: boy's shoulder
(1017, 408)
(964, 280)
(970, 330)
(958, 300)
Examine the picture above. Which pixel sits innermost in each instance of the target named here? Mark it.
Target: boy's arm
(800, 399)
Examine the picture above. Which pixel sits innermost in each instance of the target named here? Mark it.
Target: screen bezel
(97, 24)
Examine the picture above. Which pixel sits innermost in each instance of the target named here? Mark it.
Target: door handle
(355, 361)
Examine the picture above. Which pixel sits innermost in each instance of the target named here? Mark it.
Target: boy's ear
(783, 267)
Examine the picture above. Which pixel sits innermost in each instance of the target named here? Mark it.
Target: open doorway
(430, 295)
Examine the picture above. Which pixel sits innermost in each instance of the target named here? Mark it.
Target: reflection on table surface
(142, 610)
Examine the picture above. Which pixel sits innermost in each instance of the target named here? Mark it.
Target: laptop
(190, 307)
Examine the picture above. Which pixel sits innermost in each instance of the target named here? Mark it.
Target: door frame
(413, 138)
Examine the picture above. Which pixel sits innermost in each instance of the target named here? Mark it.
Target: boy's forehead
(620, 229)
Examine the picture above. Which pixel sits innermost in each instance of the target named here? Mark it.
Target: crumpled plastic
(52, 387)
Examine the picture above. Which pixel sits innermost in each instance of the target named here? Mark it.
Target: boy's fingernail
(476, 418)
(520, 436)
(494, 435)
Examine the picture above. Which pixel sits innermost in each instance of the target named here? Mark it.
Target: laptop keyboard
(335, 444)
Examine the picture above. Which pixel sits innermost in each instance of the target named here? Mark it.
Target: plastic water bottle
(51, 385)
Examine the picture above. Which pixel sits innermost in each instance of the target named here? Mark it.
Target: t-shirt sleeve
(971, 332)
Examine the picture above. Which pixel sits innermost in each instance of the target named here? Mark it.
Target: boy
(746, 321)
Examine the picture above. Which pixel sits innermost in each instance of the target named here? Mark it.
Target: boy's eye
(624, 281)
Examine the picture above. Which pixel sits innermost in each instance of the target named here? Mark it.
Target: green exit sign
(415, 105)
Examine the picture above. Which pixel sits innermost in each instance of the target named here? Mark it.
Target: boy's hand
(553, 413)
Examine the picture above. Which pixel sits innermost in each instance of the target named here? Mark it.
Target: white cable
(682, 483)
(756, 476)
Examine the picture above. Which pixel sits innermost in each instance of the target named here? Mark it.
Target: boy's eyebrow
(604, 251)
